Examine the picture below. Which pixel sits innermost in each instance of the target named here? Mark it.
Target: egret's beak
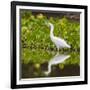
(46, 23)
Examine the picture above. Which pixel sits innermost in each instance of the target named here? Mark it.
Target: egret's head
(50, 25)
(46, 23)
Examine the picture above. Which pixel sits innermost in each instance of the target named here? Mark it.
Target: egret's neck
(51, 30)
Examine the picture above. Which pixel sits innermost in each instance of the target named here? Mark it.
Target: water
(43, 63)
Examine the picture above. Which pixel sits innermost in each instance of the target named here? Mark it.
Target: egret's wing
(60, 41)
(58, 59)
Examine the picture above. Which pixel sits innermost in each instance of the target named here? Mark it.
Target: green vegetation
(35, 34)
(41, 56)
(36, 56)
(36, 46)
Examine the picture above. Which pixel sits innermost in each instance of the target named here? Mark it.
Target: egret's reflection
(58, 58)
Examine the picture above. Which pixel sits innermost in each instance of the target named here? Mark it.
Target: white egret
(57, 59)
(59, 42)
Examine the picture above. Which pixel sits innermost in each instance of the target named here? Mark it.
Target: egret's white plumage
(59, 42)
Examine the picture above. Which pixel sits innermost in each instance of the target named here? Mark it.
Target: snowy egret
(57, 59)
(59, 42)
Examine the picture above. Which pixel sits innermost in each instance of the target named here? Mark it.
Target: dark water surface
(69, 70)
